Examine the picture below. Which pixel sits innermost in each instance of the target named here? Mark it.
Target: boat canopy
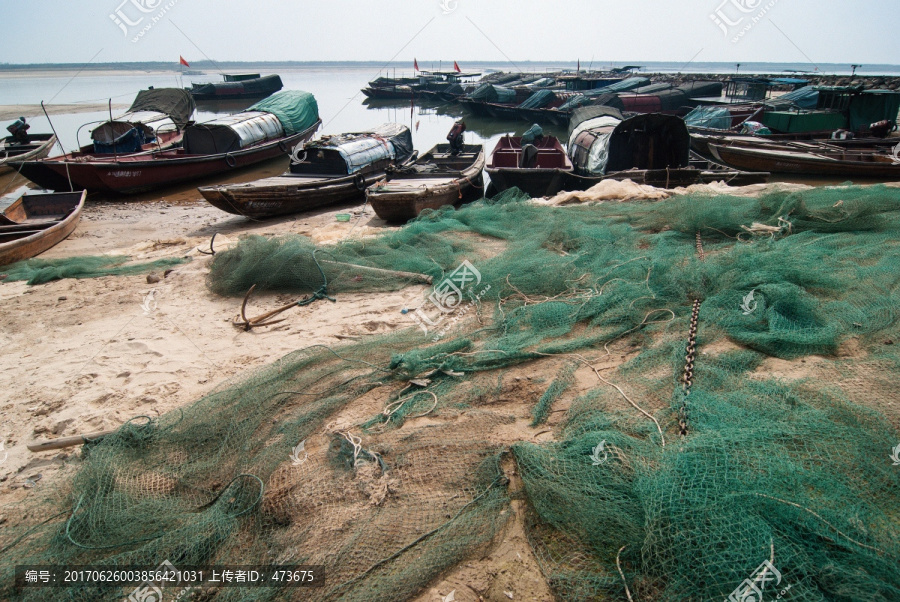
(806, 97)
(702, 89)
(606, 144)
(716, 118)
(231, 133)
(175, 103)
(538, 100)
(492, 93)
(360, 149)
(872, 106)
(624, 86)
(297, 110)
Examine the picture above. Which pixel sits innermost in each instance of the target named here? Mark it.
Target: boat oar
(65, 442)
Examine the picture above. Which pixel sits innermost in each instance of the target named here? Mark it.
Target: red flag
(415, 64)
(456, 67)
(183, 62)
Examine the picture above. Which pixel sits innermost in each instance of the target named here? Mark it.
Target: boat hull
(535, 182)
(148, 171)
(19, 242)
(801, 163)
(289, 194)
(43, 150)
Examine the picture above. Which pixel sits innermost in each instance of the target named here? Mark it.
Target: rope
(322, 292)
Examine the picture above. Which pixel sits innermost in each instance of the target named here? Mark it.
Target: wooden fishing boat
(37, 221)
(436, 179)
(651, 149)
(37, 147)
(154, 122)
(700, 141)
(332, 169)
(814, 160)
(540, 168)
(237, 87)
(267, 130)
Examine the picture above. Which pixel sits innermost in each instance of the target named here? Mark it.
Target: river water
(342, 106)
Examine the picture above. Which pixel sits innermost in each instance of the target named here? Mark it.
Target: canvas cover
(702, 89)
(297, 110)
(538, 100)
(176, 103)
(360, 149)
(606, 144)
(231, 133)
(716, 118)
(625, 85)
(872, 106)
(803, 98)
(492, 93)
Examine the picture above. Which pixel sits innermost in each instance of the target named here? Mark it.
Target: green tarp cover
(872, 106)
(297, 110)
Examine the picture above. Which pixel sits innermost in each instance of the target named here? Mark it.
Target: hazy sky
(825, 31)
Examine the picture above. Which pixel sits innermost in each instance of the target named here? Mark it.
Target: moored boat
(37, 221)
(648, 148)
(812, 160)
(448, 174)
(237, 87)
(332, 169)
(22, 146)
(266, 130)
(537, 165)
(154, 122)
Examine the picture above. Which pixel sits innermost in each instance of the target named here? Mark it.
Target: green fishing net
(40, 271)
(392, 461)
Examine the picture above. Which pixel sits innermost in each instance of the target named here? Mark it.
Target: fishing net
(40, 271)
(570, 319)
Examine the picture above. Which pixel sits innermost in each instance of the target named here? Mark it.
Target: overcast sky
(816, 31)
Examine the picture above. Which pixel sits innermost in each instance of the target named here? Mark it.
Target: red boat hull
(148, 171)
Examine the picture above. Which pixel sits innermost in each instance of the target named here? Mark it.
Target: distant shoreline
(866, 80)
(648, 67)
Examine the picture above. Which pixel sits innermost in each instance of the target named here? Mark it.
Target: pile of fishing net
(390, 461)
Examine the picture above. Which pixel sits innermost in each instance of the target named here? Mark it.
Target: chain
(700, 252)
(687, 379)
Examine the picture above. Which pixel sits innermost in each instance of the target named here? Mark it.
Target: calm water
(337, 91)
(336, 87)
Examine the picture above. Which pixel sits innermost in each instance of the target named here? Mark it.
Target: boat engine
(19, 130)
(455, 137)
